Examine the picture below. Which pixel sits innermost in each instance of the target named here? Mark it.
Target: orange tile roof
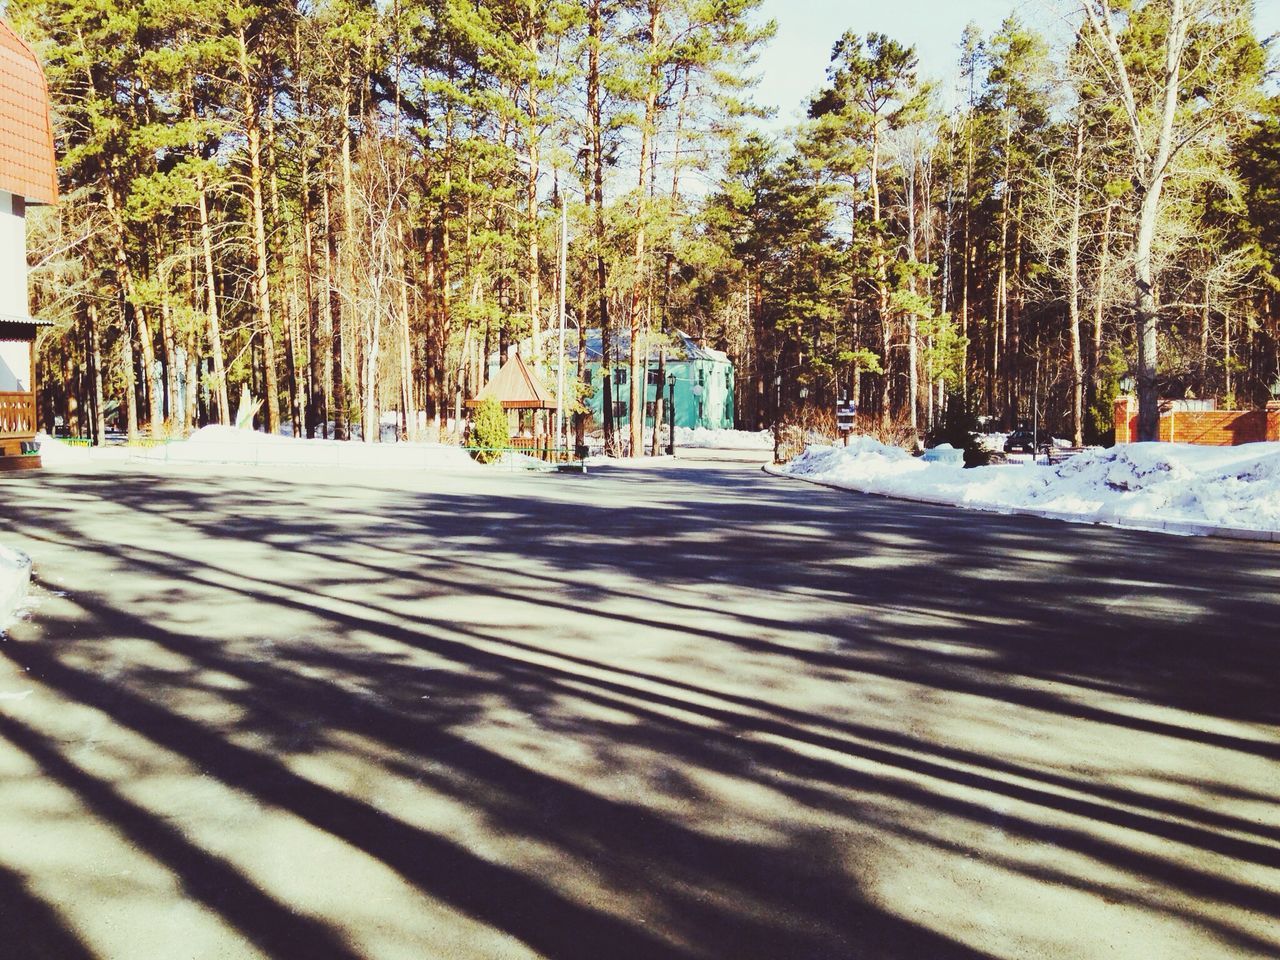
(27, 164)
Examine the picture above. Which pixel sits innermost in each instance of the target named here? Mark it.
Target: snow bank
(1155, 484)
(217, 444)
(944, 453)
(703, 438)
(55, 453)
(15, 576)
(230, 445)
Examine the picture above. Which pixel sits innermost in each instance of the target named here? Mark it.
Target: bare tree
(1164, 119)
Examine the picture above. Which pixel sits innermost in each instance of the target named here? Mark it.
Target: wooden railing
(17, 415)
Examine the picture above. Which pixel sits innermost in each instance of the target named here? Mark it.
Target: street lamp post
(777, 416)
(671, 403)
(1127, 384)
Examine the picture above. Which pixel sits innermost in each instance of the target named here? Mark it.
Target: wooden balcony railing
(17, 415)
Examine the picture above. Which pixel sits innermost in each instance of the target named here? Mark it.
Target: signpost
(846, 416)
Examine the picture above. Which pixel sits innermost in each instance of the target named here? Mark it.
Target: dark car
(1021, 440)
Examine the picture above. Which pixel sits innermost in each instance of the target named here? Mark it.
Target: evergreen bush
(490, 431)
(959, 427)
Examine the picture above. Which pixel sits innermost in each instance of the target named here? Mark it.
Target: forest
(350, 206)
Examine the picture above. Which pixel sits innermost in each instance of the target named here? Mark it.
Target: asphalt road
(680, 711)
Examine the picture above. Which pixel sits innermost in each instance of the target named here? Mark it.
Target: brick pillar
(1124, 411)
(1273, 420)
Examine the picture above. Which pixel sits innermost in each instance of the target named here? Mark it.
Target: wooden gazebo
(519, 389)
(28, 176)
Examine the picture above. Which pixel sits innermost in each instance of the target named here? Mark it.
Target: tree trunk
(531, 190)
(132, 315)
(913, 320)
(337, 372)
(293, 369)
(882, 282)
(966, 263)
(346, 336)
(1146, 319)
(1000, 339)
(130, 377)
(595, 26)
(219, 385)
(262, 267)
(639, 320)
(1202, 374)
(1100, 303)
(95, 360)
(1073, 293)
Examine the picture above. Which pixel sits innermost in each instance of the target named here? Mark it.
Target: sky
(794, 64)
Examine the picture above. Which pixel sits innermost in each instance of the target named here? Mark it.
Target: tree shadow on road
(644, 875)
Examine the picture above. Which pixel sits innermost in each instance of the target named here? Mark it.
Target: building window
(653, 378)
(620, 375)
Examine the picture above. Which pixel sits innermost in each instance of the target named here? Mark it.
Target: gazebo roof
(517, 387)
(28, 167)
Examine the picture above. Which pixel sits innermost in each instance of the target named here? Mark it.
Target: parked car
(1024, 440)
(1021, 440)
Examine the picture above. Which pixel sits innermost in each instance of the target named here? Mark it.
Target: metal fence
(559, 459)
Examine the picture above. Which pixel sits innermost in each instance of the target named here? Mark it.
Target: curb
(15, 579)
(1179, 528)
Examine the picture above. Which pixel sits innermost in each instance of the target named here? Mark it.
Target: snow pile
(705, 438)
(233, 445)
(944, 453)
(55, 453)
(15, 575)
(217, 444)
(1142, 484)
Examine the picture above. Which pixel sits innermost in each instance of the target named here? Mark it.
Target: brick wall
(1217, 428)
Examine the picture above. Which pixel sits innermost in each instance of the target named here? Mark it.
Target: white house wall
(15, 365)
(13, 259)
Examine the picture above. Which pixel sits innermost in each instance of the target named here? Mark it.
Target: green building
(702, 377)
(703, 381)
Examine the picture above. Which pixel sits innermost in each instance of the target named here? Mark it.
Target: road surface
(673, 711)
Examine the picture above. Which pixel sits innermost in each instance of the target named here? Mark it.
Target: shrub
(959, 427)
(490, 431)
(897, 433)
(815, 423)
(1099, 419)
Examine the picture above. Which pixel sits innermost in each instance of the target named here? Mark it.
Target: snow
(705, 438)
(216, 444)
(230, 445)
(944, 453)
(55, 453)
(1157, 485)
(15, 575)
